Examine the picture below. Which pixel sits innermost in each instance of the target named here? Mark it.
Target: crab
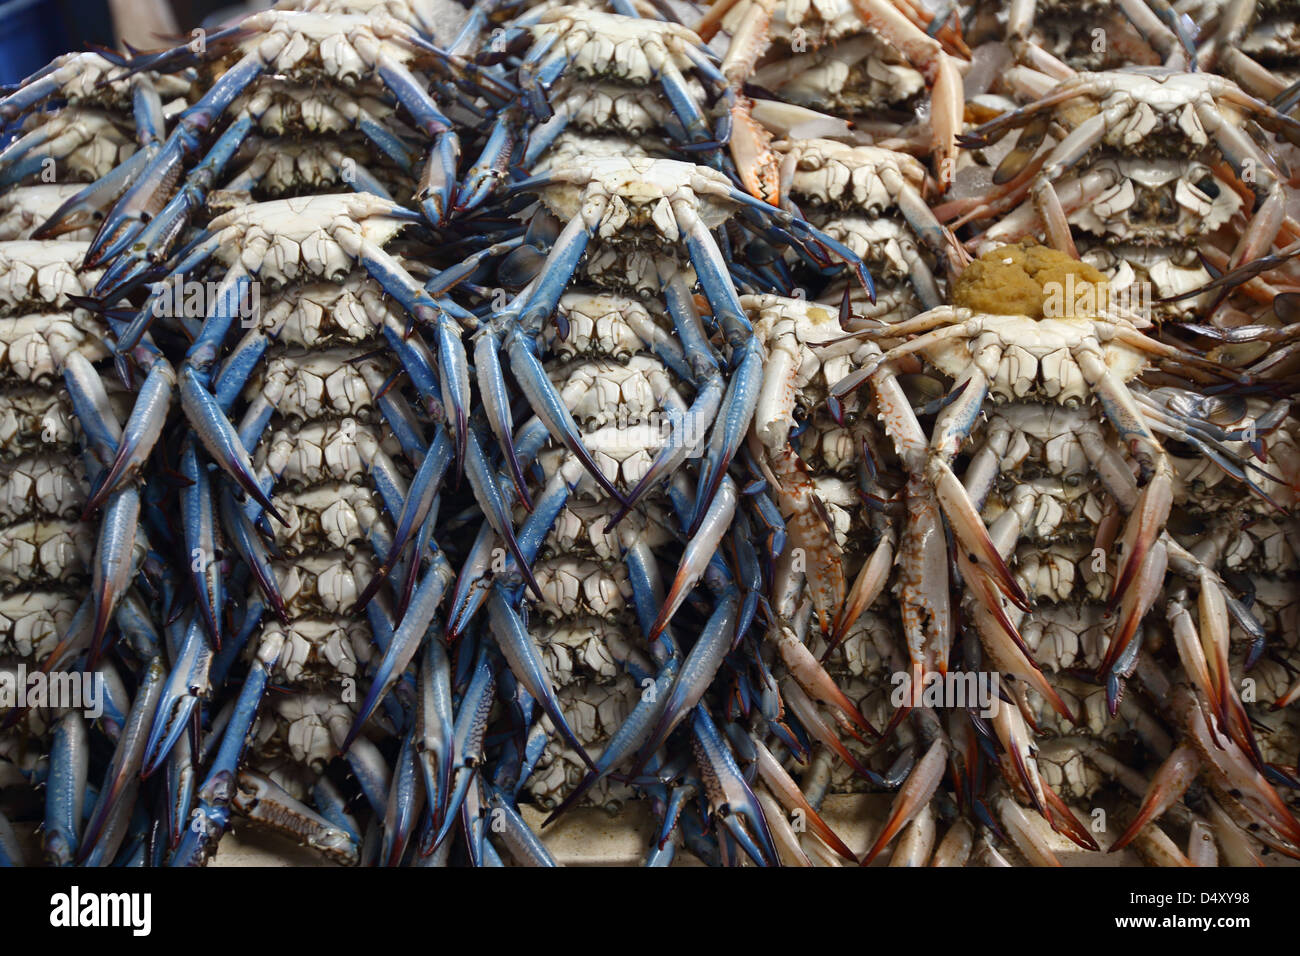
(1045, 34)
(1064, 359)
(871, 199)
(840, 67)
(1147, 113)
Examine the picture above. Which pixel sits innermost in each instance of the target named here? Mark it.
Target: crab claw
(671, 456)
(1143, 529)
(415, 509)
(1135, 603)
(491, 165)
(437, 191)
(488, 494)
(1234, 769)
(467, 742)
(526, 664)
(405, 803)
(916, 792)
(805, 710)
(103, 433)
(729, 795)
(107, 826)
(699, 552)
(496, 405)
(792, 798)
(868, 586)
(406, 641)
(435, 744)
(751, 149)
(627, 738)
(548, 406)
(1171, 780)
(141, 432)
(971, 534)
(697, 672)
(187, 681)
(219, 437)
(1064, 821)
(113, 563)
(65, 788)
(738, 407)
(812, 677)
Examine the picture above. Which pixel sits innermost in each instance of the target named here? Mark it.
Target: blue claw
(490, 168)
(114, 563)
(415, 508)
(199, 523)
(212, 815)
(437, 193)
(406, 641)
(550, 408)
(435, 744)
(626, 739)
(90, 404)
(141, 433)
(404, 804)
(729, 795)
(473, 585)
(516, 834)
(738, 411)
(65, 788)
(186, 683)
(218, 436)
(453, 373)
(107, 826)
(700, 551)
(526, 664)
(488, 494)
(179, 789)
(81, 209)
(697, 672)
(250, 546)
(496, 405)
(470, 728)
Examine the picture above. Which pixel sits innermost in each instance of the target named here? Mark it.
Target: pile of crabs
(814, 433)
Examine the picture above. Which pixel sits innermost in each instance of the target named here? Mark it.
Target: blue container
(31, 34)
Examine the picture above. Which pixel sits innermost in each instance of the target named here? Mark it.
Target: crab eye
(1208, 186)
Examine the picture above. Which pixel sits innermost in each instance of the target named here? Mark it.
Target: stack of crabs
(815, 433)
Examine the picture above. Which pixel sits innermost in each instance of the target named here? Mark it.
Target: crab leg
(154, 240)
(178, 697)
(916, 792)
(1175, 775)
(106, 828)
(406, 641)
(467, 740)
(728, 794)
(65, 788)
(525, 662)
(699, 552)
(141, 433)
(1233, 768)
(697, 671)
(940, 71)
(652, 705)
(147, 196)
(83, 208)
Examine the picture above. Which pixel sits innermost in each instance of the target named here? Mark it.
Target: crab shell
(1020, 355)
(640, 191)
(607, 44)
(305, 235)
(345, 47)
